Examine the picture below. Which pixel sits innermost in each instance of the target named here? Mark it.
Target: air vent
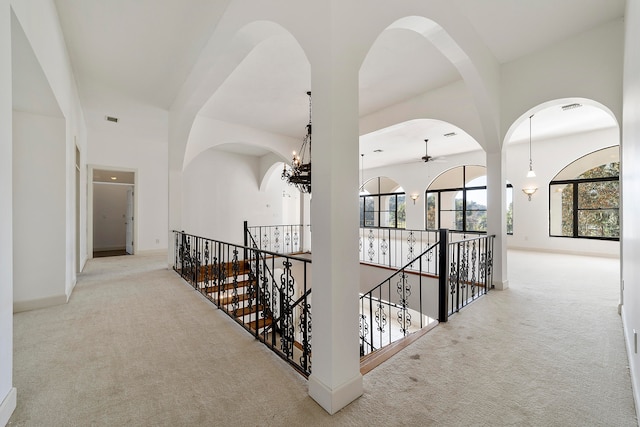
(450, 134)
(570, 106)
(111, 119)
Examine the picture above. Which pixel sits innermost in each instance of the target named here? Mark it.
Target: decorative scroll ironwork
(235, 270)
(276, 237)
(411, 241)
(305, 330)
(287, 239)
(384, 247)
(403, 288)
(287, 329)
(381, 318)
(371, 250)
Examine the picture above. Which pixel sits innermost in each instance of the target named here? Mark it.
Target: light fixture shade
(531, 174)
(529, 191)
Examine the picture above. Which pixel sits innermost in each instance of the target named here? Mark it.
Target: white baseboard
(35, 304)
(109, 248)
(632, 370)
(7, 406)
(334, 400)
(564, 251)
(152, 252)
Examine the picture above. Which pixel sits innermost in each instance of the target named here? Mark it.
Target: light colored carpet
(136, 346)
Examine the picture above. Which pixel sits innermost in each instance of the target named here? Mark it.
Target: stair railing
(265, 292)
(451, 273)
(403, 292)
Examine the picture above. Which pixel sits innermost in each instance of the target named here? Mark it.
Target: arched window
(457, 200)
(382, 204)
(584, 198)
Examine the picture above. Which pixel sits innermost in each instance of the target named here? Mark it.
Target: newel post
(443, 275)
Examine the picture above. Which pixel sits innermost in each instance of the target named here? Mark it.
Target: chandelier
(298, 173)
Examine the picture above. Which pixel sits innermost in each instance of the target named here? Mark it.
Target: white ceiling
(145, 48)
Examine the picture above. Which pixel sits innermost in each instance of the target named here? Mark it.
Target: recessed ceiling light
(113, 178)
(377, 151)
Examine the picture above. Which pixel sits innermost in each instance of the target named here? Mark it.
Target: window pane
(475, 176)
(387, 211)
(509, 210)
(476, 215)
(561, 210)
(401, 220)
(594, 195)
(370, 211)
(598, 223)
(450, 179)
(432, 211)
(361, 211)
(451, 210)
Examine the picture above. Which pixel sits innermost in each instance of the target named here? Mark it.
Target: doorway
(113, 194)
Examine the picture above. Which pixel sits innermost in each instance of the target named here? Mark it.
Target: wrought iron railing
(450, 273)
(470, 270)
(269, 294)
(282, 239)
(394, 247)
(397, 306)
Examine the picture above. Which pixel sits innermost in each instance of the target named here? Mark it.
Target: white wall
(109, 216)
(7, 392)
(588, 65)
(531, 218)
(39, 22)
(630, 192)
(39, 210)
(221, 190)
(137, 142)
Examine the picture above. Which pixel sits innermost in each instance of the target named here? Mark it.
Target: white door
(129, 222)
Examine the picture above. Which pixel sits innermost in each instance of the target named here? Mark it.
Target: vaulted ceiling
(146, 49)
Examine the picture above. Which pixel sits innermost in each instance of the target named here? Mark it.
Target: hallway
(137, 346)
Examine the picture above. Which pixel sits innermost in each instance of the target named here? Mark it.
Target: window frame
(576, 211)
(378, 212)
(464, 211)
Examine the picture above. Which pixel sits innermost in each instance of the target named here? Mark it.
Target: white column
(335, 379)
(497, 215)
(7, 391)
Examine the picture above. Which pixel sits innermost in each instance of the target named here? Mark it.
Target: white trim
(634, 378)
(334, 400)
(7, 406)
(35, 304)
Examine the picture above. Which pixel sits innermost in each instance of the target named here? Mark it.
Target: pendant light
(531, 173)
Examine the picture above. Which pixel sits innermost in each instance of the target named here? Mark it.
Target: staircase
(265, 292)
(231, 287)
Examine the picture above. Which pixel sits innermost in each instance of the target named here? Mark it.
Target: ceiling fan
(427, 158)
